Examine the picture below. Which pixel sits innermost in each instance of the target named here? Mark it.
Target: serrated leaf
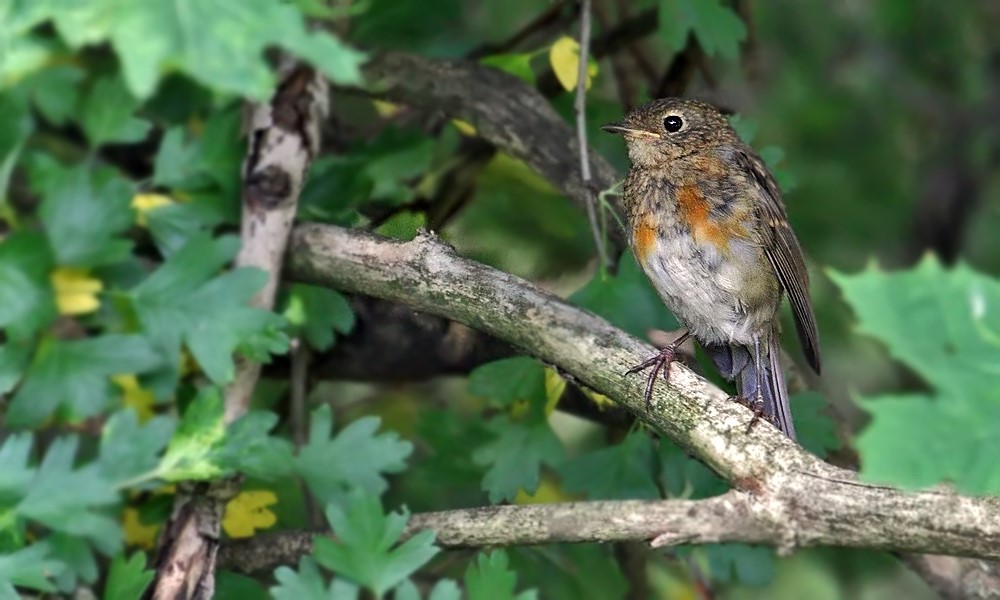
(127, 578)
(306, 583)
(198, 436)
(180, 302)
(107, 114)
(623, 471)
(357, 457)
(945, 325)
(248, 512)
(218, 43)
(490, 578)
(75, 375)
(719, 30)
(317, 313)
(509, 379)
(627, 299)
(14, 359)
(48, 503)
(130, 449)
(83, 218)
(366, 550)
(54, 91)
(15, 474)
(30, 567)
(77, 558)
(27, 302)
(515, 457)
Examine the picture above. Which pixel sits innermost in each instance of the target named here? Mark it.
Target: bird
(708, 227)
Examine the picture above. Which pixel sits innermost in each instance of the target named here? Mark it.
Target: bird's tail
(735, 362)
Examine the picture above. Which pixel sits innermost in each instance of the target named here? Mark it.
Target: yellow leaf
(134, 396)
(600, 400)
(386, 109)
(136, 532)
(464, 127)
(564, 56)
(554, 387)
(76, 291)
(248, 512)
(143, 203)
(548, 492)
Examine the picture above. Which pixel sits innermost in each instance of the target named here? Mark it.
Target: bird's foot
(661, 362)
(754, 404)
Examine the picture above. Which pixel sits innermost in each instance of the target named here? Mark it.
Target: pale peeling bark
(283, 138)
(783, 496)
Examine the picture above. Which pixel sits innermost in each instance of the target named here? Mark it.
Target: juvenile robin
(708, 226)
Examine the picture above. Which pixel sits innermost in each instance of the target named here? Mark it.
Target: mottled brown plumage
(709, 228)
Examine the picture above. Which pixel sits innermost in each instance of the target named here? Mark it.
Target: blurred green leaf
(27, 302)
(84, 218)
(74, 374)
(517, 64)
(516, 455)
(55, 91)
(130, 449)
(107, 115)
(403, 225)
(489, 578)
(751, 565)
(317, 313)
(181, 302)
(817, 432)
(627, 299)
(304, 583)
(619, 472)
(13, 360)
(215, 42)
(507, 380)
(717, 28)
(30, 567)
(944, 324)
(127, 578)
(365, 547)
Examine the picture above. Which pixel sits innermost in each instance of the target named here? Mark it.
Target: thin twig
(581, 133)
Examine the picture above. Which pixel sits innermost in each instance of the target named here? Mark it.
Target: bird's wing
(784, 253)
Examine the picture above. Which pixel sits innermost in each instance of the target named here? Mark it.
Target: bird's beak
(628, 131)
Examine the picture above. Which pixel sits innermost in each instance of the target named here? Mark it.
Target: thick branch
(793, 499)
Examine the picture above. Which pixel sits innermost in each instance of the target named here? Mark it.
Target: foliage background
(119, 174)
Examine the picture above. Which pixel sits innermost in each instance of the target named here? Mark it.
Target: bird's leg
(660, 362)
(756, 404)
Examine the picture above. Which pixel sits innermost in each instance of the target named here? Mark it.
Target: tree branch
(283, 139)
(783, 495)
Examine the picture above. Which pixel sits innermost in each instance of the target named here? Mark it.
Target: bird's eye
(673, 124)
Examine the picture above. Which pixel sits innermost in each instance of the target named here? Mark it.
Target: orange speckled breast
(644, 238)
(694, 210)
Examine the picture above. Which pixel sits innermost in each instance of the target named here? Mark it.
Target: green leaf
(74, 375)
(200, 433)
(26, 298)
(77, 558)
(214, 157)
(127, 578)
(107, 114)
(517, 64)
(507, 380)
(130, 450)
(180, 303)
(55, 91)
(627, 299)
(366, 550)
(817, 432)
(306, 583)
(249, 449)
(15, 474)
(317, 313)
(491, 579)
(445, 589)
(403, 225)
(356, 457)
(515, 457)
(717, 27)
(83, 218)
(944, 324)
(48, 503)
(214, 41)
(620, 472)
(750, 565)
(13, 360)
(30, 567)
